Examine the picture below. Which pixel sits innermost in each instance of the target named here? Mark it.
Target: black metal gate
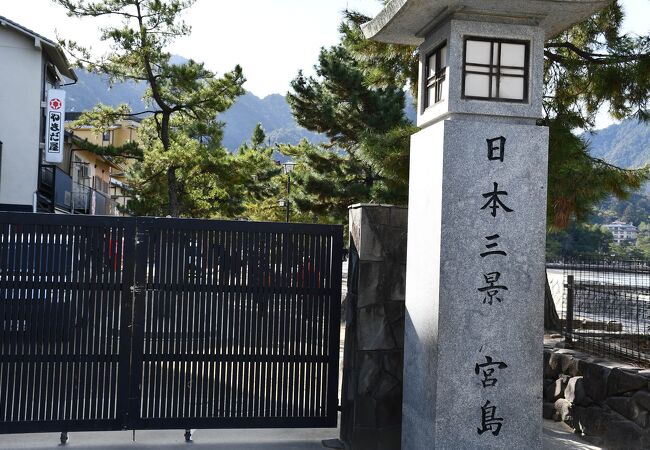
(111, 323)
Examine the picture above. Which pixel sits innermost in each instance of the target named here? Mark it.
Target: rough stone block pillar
(374, 338)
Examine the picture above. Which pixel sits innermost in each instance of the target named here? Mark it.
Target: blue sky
(270, 39)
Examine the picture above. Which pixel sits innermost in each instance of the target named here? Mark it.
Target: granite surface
(450, 324)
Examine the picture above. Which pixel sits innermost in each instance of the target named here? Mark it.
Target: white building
(623, 232)
(32, 65)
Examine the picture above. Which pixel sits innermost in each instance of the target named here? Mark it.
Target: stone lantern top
(409, 21)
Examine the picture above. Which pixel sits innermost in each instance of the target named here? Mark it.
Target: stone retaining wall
(609, 403)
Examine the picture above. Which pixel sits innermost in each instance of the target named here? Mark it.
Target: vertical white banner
(54, 131)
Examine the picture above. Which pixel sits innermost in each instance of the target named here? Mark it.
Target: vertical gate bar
(42, 319)
(236, 310)
(196, 336)
(263, 292)
(289, 319)
(185, 331)
(300, 317)
(31, 326)
(277, 249)
(270, 296)
(22, 319)
(309, 404)
(149, 375)
(260, 279)
(320, 398)
(136, 242)
(191, 329)
(173, 338)
(19, 395)
(105, 317)
(262, 295)
(245, 333)
(220, 322)
(4, 292)
(300, 298)
(160, 338)
(317, 330)
(177, 391)
(293, 314)
(228, 320)
(120, 301)
(200, 318)
(267, 296)
(9, 317)
(57, 236)
(172, 287)
(335, 321)
(208, 317)
(157, 343)
(59, 232)
(211, 299)
(166, 344)
(179, 258)
(259, 296)
(94, 297)
(177, 368)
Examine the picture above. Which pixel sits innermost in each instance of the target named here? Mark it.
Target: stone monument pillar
(477, 218)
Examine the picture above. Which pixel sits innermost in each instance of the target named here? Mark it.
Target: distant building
(623, 232)
(32, 66)
(101, 180)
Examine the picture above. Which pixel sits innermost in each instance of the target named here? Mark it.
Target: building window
(496, 69)
(436, 72)
(106, 136)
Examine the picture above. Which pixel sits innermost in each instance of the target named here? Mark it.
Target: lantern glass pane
(478, 52)
(511, 88)
(471, 68)
(513, 55)
(477, 85)
(519, 72)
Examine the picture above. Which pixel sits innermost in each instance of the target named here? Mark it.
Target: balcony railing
(55, 187)
(57, 190)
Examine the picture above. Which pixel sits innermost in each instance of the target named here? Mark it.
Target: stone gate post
(477, 218)
(371, 401)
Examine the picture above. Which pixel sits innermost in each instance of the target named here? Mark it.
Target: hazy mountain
(272, 111)
(626, 144)
(92, 89)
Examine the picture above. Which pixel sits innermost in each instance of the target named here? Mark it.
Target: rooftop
(408, 21)
(53, 50)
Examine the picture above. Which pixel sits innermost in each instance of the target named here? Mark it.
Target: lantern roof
(408, 21)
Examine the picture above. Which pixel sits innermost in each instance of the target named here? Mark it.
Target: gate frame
(131, 324)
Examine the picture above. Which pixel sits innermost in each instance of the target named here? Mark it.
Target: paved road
(556, 437)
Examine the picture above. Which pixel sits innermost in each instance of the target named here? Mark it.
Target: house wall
(20, 117)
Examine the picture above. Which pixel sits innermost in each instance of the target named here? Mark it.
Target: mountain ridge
(626, 144)
(272, 111)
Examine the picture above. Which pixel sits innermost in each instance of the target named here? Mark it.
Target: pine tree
(588, 67)
(185, 92)
(258, 136)
(367, 159)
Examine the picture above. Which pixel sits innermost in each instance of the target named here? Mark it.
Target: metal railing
(58, 190)
(605, 307)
